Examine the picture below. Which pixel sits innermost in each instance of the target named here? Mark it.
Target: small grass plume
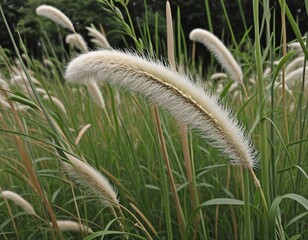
(220, 51)
(68, 225)
(19, 201)
(55, 15)
(90, 180)
(98, 38)
(77, 41)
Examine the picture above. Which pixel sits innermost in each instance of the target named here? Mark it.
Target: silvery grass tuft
(220, 51)
(74, 39)
(68, 225)
(77, 41)
(90, 180)
(188, 102)
(56, 102)
(98, 38)
(19, 201)
(55, 15)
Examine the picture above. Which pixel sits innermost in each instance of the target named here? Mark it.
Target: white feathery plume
(294, 45)
(77, 41)
(19, 201)
(297, 62)
(218, 76)
(96, 94)
(180, 96)
(41, 91)
(90, 180)
(4, 103)
(98, 38)
(68, 225)
(233, 86)
(47, 62)
(55, 15)
(219, 89)
(267, 72)
(297, 74)
(4, 85)
(220, 51)
(57, 102)
(18, 80)
(18, 107)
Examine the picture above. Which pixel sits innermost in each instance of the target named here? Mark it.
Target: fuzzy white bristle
(19, 201)
(68, 225)
(176, 93)
(90, 180)
(77, 41)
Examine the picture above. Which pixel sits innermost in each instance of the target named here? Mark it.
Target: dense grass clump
(141, 149)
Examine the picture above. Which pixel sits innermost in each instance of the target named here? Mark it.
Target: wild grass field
(143, 143)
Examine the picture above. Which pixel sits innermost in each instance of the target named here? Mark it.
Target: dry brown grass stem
(33, 179)
(144, 218)
(171, 58)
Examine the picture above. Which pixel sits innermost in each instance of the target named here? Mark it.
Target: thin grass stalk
(261, 97)
(165, 190)
(183, 127)
(208, 14)
(144, 218)
(247, 214)
(229, 23)
(180, 216)
(273, 188)
(301, 126)
(284, 52)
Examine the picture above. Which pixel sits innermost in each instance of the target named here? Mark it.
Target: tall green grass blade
(274, 210)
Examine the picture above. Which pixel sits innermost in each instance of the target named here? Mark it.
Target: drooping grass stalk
(262, 109)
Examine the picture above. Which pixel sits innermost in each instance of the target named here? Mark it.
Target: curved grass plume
(176, 93)
(55, 15)
(19, 201)
(90, 180)
(219, 50)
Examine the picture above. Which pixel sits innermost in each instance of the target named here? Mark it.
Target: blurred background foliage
(21, 16)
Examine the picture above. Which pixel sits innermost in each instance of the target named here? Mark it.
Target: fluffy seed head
(220, 51)
(218, 76)
(176, 93)
(77, 41)
(98, 38)
(68, 225)
(57, 102)
(55, 15)
(19, 201)
(96, 94)
(90, 180)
